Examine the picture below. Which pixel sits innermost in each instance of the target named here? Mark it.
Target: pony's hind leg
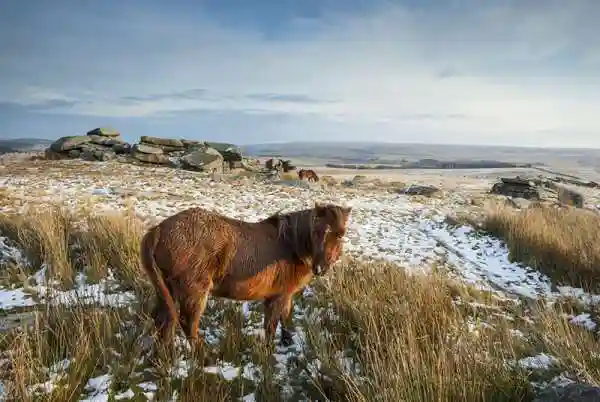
(191, 310)
(278, 310)
(163, 322)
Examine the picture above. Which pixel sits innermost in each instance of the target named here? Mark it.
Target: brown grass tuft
(563, 243)
(410, 341)
(44, 236)
(114, 240)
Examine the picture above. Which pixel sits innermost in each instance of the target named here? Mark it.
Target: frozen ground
(410, 232)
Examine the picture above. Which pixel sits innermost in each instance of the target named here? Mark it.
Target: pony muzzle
(320, 269)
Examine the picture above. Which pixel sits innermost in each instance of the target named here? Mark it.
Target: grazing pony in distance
(308, 174)
(196, 253)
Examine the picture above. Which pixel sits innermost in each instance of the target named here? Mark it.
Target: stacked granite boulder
(99, 144)
(103, 144)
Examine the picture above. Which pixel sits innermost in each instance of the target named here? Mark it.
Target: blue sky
(468, 72)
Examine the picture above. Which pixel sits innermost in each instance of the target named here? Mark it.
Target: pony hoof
(286, 338)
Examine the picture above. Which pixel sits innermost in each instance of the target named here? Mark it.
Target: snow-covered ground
(383, 226)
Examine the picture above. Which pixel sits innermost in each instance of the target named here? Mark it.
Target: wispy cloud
(464, 72)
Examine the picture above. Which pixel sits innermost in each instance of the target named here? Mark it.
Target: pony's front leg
(287, 323)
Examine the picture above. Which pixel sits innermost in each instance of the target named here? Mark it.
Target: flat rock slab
(104, 132)
(203, 159)
(147, 149)
(104, 140)
(67, 143)
(159, 159)
(167, 142)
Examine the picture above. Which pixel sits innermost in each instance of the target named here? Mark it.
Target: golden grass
(44, 236)
(412, 342)
(409, 337)
(564, 243)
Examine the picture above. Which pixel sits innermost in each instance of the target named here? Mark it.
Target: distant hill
(408, 154)
(23, 145)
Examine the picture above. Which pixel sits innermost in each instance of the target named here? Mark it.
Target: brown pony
(308, 174)
(196, 253)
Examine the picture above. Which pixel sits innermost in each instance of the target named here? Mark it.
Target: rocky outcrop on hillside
(516, 187)
(566, 196)
(103, 144)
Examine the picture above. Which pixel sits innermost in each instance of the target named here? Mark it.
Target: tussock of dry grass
(114, 240)
(562, 243)
(411, 341)
(44, 237)
(67, 244)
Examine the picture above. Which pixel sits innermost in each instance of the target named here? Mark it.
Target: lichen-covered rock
(74, 153)
(570, 197)
(516, 187)
(164, 142)
(52, 155)
(230, 152)
(191, 143)
(67, 143)
(104, 132)
(103, 140)
(207, 159)
(88, 155)
(98, 153)
(123, 148)
(159, 159)
(415, 189)
(147, 149)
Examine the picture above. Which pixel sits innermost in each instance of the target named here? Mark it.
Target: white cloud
(492, 73)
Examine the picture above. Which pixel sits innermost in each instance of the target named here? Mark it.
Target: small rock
(415, 189)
